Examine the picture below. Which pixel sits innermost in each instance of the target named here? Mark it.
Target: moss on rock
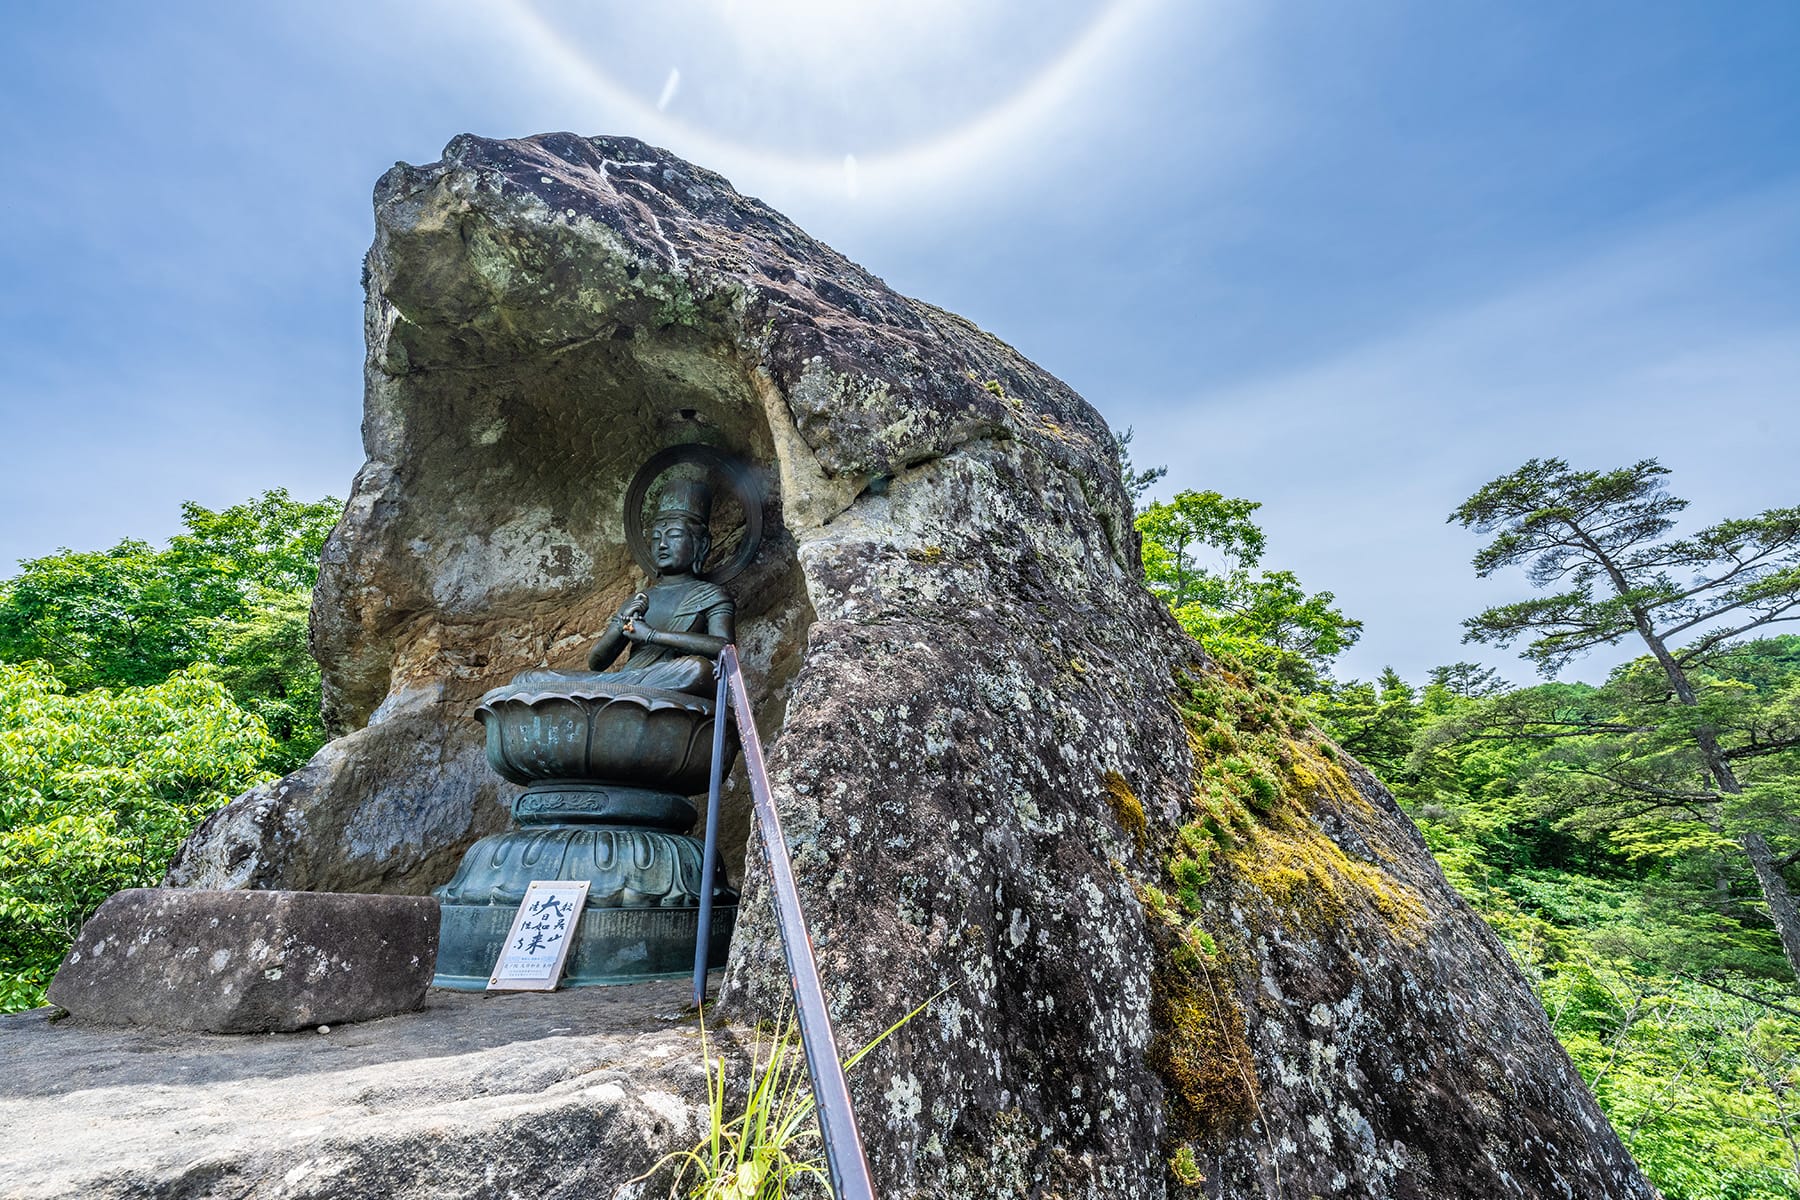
(1261, 772)
(1127, 807)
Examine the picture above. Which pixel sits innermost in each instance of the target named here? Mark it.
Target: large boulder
(248, 961)
(1184, 945)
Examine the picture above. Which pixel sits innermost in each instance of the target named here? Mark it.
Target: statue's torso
(681, 606)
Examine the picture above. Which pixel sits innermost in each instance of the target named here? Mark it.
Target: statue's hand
(634, 608)
(638, 631)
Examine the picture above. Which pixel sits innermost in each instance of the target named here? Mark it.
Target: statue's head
(681, 534)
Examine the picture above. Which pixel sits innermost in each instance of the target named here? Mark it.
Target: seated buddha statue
(676, 627)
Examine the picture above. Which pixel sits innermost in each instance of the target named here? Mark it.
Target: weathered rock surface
(500, 1096)
(1173, 925)
(248, 961)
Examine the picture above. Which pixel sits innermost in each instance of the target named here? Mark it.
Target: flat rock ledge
(248, 961)
(565, 1094)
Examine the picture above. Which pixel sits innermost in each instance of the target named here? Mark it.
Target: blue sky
(1348, 260)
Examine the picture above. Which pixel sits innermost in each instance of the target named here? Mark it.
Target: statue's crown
(688, 498)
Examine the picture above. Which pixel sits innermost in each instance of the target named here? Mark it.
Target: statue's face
(676, 545)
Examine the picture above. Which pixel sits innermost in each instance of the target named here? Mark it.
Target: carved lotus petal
(634, 736)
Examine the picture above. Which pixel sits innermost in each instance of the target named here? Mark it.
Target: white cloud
(1652, 347)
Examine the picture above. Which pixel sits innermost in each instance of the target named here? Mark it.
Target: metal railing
(845, 1159)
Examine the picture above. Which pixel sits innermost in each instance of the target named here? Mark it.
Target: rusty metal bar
(845, 1158)
(710, 860)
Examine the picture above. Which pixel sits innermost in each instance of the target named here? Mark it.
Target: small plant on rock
(769, 1148)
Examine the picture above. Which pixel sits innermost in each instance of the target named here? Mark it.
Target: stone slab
(248, 961)
(542, 1095)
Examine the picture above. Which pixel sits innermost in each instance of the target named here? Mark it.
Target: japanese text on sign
(542, 932)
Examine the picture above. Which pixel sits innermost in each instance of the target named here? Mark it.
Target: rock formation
(471, 1097)
(1186, 947)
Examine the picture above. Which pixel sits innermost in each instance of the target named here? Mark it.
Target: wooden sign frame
(537, 946)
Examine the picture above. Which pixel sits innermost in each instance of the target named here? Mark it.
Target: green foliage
(767, 1149)
(1680, 744)
(1137, 482)
(1467, 680)
(1642, 929)
(1376, 722)
(1600, 539)
(1693, 1062)
(140, 689)
(1698, 1082)
(262, 657)
(1202, 552)
(1680, 748)
(97, 790)
(1675, 754)
(231, 590)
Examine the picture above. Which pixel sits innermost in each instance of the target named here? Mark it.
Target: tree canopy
(97, 791)
(1597, 541)
(140, 689)
(1202, 554)
(1675, 747)
(232, 590)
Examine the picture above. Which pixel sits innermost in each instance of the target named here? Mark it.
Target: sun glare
(843, 98)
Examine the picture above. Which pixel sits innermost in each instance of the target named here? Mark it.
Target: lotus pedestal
(607, 770)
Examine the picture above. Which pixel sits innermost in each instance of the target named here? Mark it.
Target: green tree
(1202, 553)
(272, 542)
(118, 617)
(262, 657)
(1647, 945)
(1678, 756)
(1699, 1083)
(1377, 722)
(1137, 482)
(97, 790)
(231, 589)
(1471, 681)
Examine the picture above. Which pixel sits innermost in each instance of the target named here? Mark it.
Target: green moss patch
(1199, 1046)
(1261, 771)
(1127, 807)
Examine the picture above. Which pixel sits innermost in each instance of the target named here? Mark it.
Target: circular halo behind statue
(729, 476)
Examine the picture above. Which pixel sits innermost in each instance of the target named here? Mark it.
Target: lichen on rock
(992, 748)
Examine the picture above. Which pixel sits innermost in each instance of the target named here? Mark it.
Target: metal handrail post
(845, 1158)
(710, 861)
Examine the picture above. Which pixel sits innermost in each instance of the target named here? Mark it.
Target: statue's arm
(614, 638)
(607, 648)
(721, 622)
(705, 645)
(721, 630)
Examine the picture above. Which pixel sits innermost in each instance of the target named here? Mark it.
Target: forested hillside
(1631, 841)
(1645, 935)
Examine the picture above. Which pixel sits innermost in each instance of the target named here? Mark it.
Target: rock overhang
(956, 658)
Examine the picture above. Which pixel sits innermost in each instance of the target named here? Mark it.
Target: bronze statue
(676, 628)
(609, 756)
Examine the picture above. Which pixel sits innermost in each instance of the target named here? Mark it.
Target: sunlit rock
(1183, 945)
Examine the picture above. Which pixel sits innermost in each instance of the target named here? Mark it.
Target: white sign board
(542, 931)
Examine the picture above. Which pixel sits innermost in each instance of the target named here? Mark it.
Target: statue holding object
(609, 756)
